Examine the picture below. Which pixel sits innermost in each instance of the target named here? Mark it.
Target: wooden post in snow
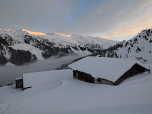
(149, 69)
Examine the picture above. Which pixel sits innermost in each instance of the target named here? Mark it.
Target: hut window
(77, 75)
(83, 75)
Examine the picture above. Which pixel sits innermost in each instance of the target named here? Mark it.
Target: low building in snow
(104, 70)
(30, 80)
(19, 82)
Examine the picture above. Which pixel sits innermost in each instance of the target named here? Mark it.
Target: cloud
(105, 18)
(33, 14)
(9, 73)
(118, 18)
(128, 28)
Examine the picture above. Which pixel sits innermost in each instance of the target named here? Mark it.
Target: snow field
(74, 96)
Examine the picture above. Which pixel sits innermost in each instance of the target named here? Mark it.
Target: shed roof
(32, 79)
(102, 67)
(19, 78)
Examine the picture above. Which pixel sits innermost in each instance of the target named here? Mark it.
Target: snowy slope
(77, 97)
(38, 46)
(138, 48)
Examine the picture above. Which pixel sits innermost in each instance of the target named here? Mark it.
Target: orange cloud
(128, 28)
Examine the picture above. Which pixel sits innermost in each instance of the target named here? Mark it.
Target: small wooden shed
(19, 82)
(111, 71)
(30, 80)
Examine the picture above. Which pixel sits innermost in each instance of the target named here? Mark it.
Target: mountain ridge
(24, 46)
(138, 48)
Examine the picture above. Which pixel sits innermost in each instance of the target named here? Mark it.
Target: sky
(112, 19)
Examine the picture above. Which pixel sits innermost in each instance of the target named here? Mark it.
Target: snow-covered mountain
(139, 48)
(23, 46)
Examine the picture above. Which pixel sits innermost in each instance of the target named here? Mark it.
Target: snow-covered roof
(103, 67)
(19, 78)
(31, 79)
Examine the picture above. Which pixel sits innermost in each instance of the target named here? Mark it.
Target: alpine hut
(111, 71)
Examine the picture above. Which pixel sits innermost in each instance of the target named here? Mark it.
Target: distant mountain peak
(67, 35)
(33, 32)
(23, 46)
(138, 48)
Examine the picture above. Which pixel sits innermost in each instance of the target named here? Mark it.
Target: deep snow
(65, 95)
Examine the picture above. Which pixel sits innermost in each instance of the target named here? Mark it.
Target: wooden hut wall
(77, 74)
(89, 78)
(122, 78)
(134, 70)
(83, 76)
